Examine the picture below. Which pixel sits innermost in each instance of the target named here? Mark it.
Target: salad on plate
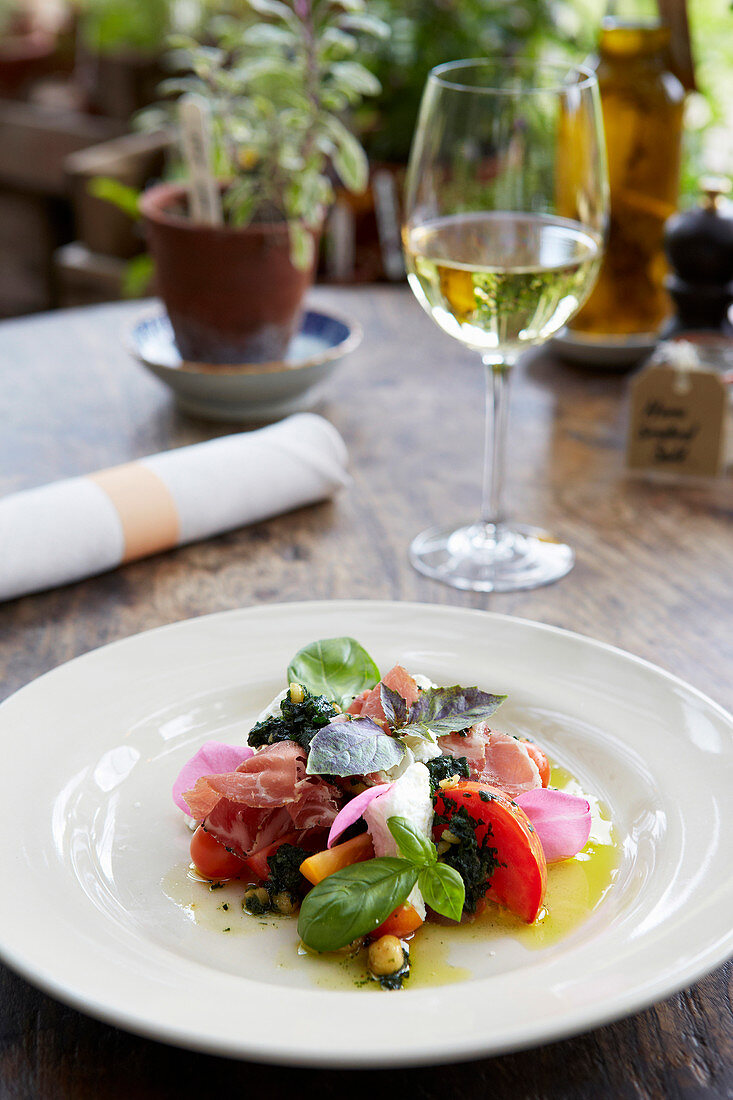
(367, 805)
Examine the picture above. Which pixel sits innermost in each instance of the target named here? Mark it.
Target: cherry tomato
(211, 858)
(519, 885)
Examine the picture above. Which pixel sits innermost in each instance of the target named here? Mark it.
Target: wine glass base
(481, 558)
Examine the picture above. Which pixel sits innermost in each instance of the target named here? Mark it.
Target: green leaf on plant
(126, 199)
(338, 668)
(367, 24)
(264, 35)
(349, 159)
(354, 901)
(302, 247)
(356, 76)
(274, 8)
(138, 276)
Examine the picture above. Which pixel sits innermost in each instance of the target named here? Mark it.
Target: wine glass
(505, 213)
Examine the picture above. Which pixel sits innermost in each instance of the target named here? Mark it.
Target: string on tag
(683, 357)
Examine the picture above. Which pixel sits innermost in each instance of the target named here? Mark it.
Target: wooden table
(653, 575)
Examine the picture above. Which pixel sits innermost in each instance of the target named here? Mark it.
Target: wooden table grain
(653, 575)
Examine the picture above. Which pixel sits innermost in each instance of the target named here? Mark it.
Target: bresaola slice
(213, 758)
(562, 821)
(266, 797)
(495, 758)
(369, 703)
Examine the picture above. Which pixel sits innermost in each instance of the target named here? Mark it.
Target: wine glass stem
(497, 415)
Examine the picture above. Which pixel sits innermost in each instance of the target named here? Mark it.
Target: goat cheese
(408, 798)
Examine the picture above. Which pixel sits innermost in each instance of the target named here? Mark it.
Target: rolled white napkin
(77, 528)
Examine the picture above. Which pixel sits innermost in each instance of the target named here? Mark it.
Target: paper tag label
(677, 421)
(195, 117)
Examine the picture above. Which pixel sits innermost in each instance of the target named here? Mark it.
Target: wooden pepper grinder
(699, 247)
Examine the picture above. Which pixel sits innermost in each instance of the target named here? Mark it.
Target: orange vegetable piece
(322, 864)
(403, 922)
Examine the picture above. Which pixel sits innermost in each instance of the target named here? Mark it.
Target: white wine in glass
(505, 216)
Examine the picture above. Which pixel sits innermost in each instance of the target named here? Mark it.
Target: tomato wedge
(520, 883)
(211, 858)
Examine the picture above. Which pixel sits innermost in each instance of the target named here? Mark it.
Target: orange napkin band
(147, 511)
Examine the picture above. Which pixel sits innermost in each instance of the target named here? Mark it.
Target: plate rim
(580, 1019)
(473, 612)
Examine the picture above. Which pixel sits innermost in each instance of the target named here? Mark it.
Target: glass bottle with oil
(642, 103)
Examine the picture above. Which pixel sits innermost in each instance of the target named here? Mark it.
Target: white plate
(91, 749)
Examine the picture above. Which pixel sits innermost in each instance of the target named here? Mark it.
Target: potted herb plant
(277, 90)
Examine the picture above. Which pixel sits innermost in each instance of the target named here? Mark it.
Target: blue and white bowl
(248, 391)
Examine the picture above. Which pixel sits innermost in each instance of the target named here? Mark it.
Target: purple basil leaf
(447, 710)
(393, 705)
(353, 748)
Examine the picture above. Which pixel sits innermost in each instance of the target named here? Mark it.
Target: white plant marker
(205, 199)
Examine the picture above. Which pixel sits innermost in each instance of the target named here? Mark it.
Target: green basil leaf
(338, 668)
(447, 710)
(442, 888)
(412, 844)
(354, 901)
(354, 747)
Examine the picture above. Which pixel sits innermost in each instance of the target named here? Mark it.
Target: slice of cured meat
(495, 758)
(266, 797)
(471, 744)
(369, 703)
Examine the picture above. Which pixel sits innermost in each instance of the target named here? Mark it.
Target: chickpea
(296, 693)
(282, 903)
(386, 956)
(256, 900)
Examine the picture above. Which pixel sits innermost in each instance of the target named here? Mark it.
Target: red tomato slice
(520, 884)
(211, 858)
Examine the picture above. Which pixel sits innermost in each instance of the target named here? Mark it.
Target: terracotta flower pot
(232, 295)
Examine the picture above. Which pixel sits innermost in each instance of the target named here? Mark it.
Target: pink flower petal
(562, 821)
(213, 758)
(353, 810)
